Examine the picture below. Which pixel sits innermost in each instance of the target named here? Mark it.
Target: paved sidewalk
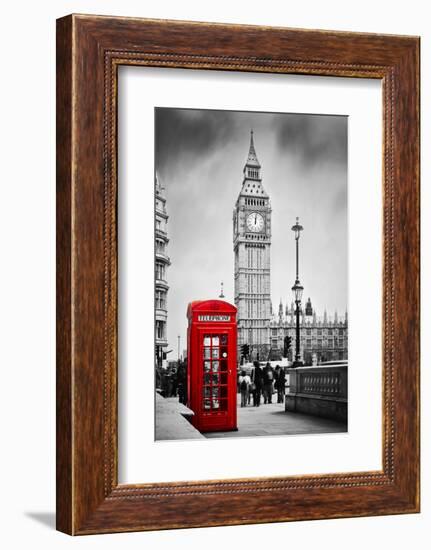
(170, 422)
(272, 419)
(266, 420)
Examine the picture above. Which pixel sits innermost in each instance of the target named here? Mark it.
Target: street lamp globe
(297, 229)
(297, 289)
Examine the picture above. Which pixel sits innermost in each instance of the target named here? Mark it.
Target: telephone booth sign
(212, 371)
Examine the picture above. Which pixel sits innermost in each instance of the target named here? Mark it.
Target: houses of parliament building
(322, 338)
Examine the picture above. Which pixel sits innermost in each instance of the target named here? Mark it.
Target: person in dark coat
(280, 383)
(257, 380)
(268, 383)
(182, 383)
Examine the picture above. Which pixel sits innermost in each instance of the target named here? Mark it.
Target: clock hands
(255, 221)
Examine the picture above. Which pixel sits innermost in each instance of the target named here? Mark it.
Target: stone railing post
(291, 390)
(318, 391)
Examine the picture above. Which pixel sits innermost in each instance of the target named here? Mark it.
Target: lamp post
(297, 291)
(179, 339)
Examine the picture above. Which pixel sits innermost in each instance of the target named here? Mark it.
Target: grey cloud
(313, 138)
(184, 132)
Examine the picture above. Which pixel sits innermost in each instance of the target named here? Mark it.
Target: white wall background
(27, 289)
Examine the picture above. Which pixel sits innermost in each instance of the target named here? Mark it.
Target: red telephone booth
(211, 373)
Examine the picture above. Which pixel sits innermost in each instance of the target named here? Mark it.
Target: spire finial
(252, 149)
(252, 161)
(221, 291)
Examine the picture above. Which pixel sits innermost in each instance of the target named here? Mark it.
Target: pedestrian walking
(174, 382)
(244, 387)
(182, 383)
(251, 390)
(268, 383)
(257, 381)
(280, 383)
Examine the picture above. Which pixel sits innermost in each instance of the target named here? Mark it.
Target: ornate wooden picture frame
(89, 51)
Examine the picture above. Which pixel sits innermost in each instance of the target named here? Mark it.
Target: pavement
(271, 419)
(171, 422)
(266, 420)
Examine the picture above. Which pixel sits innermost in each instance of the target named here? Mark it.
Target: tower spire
(252, 160)
(252, 149)
(221, 291)
(252, 182)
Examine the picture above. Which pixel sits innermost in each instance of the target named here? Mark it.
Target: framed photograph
(237, 274)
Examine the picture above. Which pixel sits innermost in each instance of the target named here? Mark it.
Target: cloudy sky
(200, 155)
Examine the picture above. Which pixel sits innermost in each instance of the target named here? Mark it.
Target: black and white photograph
(251, 279)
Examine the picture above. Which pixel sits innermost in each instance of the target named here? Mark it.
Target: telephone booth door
(213, 371)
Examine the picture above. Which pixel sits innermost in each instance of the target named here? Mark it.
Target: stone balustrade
(319, 391)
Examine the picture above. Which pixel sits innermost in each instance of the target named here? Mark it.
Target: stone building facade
(322, 339)
(161, 265)
(252, 271)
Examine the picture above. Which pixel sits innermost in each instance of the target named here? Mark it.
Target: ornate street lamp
(179, 339)
(297, 291)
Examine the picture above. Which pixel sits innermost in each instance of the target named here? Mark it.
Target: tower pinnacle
(221, 295)
(252, 182)
(252, 160)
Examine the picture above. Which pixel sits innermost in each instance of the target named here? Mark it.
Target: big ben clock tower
(251, 245)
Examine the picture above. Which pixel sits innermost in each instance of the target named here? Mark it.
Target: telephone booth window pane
(207, 353)
(215, 340)
(223, 378)
(216, 366)
(216, 379)
(207, 404)
(223, 339)
(216, 404)
(207, 366)
(207, 379)
(223, 365)
(223, 405)
(216, 353)
(223, 391)
(207, 340)
(224, 353)
(207, 391)
(215, 391)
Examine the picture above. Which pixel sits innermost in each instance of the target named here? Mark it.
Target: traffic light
(287, 345)
(245, 350)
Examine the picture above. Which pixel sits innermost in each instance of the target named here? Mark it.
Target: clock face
(255, 222)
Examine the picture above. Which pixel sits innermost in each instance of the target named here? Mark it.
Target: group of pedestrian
(263, 381)
(172, 381)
